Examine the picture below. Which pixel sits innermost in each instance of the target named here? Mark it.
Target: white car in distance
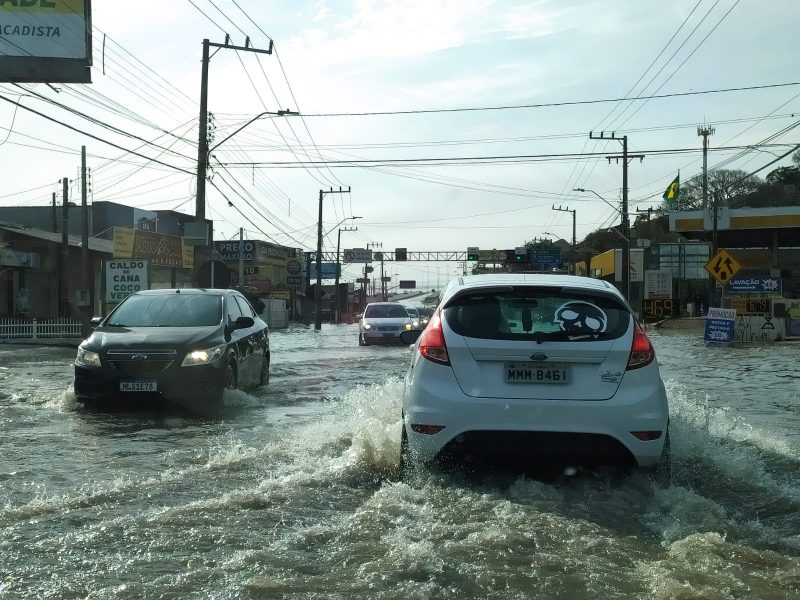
(534, 371)
(382, 323)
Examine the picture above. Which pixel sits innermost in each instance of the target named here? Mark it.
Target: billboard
(160, 249)
(46, 41)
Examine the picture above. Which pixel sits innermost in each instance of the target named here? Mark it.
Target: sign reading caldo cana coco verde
(125, 277)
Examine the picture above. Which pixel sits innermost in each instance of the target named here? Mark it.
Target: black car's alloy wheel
(230, 377)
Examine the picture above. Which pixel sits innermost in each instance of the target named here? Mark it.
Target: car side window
(234, 312)
(245, 307)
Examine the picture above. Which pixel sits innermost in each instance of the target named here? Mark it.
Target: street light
(626, 243)
(338, 265)
(280, 113)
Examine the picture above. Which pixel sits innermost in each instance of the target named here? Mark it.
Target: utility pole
(241, 256)
(88, 275)
(63, 293)
(378, 245)
(626, 225)
(574, 212)
(202, 140)
(706, 131)
(54, 215)
(318, 287)
(337, 310)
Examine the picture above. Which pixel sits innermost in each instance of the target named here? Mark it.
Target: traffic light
(520, 254)
(401, 253)
(472, 253)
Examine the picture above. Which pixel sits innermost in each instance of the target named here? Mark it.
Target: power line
(500, 159)
(555, 104)
(94, 137)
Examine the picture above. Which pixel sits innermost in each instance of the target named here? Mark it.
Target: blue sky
(414, 55)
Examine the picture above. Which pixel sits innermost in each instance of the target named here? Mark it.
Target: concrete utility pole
(63, 293)
(338, 300)
(705, 132)
(88, 274)
(241, 256)
(318, 287)
(202, 139)
(574, 212)
(626, 225)
(379, 256)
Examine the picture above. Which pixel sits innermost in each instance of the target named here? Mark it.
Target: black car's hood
(150, 338)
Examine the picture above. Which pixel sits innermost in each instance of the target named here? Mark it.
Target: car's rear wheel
(662, 473)
(405, 460)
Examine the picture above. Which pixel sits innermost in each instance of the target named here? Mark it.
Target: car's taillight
(431, 343)
(642, 353)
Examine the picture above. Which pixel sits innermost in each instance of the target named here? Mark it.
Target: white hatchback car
(382, 323)
(534, 370)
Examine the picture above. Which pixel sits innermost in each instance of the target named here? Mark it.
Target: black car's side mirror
(244, 323)
(95, 321)
(410, 337)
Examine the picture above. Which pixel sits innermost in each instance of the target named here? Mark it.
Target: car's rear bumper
(582, 431)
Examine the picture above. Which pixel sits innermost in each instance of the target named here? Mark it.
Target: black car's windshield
(169, 310)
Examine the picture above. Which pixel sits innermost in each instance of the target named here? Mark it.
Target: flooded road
(294, 493)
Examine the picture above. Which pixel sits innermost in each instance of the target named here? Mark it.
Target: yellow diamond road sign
(722, 267)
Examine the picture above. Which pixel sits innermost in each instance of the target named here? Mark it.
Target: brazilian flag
(672, 193)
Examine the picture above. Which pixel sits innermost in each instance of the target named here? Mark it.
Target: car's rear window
(168, 310)
(386, 311)
(528, 313)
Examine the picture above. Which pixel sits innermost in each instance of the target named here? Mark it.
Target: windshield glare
(386, 311)
(173, 310)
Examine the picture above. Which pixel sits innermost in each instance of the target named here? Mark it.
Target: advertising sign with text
(124, 277)
(45, 41)
(158, 249)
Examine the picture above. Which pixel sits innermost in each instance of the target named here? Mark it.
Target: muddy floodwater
(294, 492)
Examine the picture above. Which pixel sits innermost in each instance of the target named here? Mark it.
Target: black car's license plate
(535, 373)
(138, 386)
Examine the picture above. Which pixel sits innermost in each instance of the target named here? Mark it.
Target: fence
(45, 329)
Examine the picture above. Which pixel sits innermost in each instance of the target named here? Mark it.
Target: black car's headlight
(367, 326)
(204, 357)
(87, 358)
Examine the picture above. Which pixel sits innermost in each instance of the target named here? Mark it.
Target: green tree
(726, 187)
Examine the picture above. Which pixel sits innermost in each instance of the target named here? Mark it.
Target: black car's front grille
(140, 363)
(141, 367)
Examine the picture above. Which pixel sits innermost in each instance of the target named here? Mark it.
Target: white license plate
(535, 373)
(138, 386)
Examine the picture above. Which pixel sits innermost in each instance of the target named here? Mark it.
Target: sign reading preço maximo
(125, 277)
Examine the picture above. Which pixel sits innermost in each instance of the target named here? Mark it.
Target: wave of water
(290, 497)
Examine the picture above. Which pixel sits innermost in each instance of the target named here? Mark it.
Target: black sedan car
(184, 346)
